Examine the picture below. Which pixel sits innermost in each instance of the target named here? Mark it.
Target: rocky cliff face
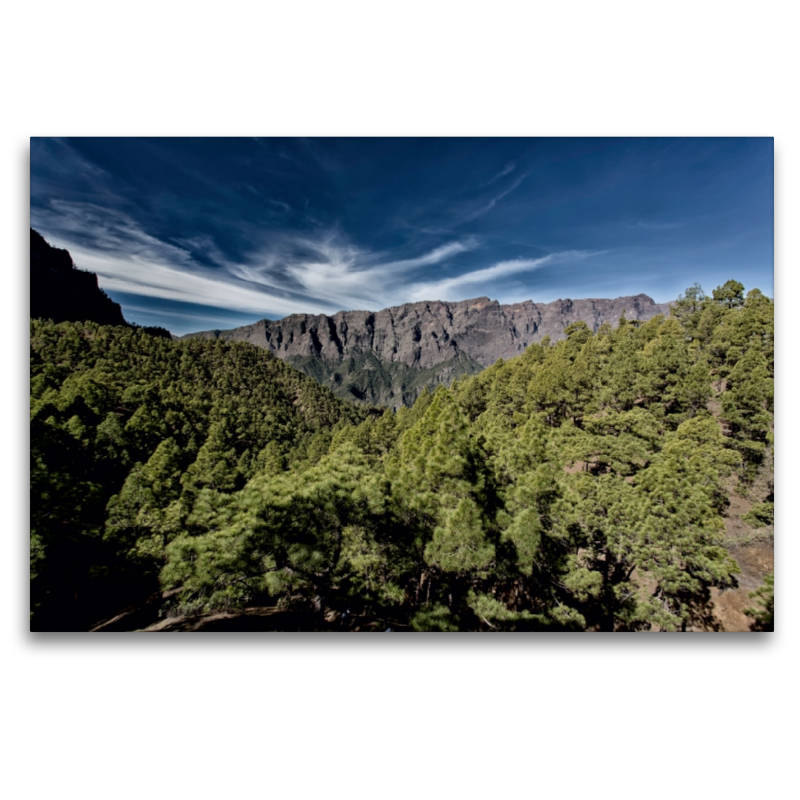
(424, 336)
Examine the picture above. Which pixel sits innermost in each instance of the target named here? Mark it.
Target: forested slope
(580, 485)
(133, 440)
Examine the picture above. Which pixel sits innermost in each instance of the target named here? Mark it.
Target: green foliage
(367, 379)
(434, 618)
(730, 294)
(761, 515)
(495, 615)
(459, 542)
(577, 486)
(682, 529)
(690, 302)
(764, 612)
(136, 439)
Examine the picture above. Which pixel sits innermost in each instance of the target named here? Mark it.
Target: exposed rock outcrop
(423, 336)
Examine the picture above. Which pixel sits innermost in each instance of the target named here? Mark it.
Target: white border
(130, 717)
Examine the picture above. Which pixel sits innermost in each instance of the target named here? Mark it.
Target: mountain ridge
(427, 333)
(388, 357)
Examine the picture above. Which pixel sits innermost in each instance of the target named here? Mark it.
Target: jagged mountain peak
(425, 335)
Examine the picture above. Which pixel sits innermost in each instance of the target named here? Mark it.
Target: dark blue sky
(211, 233)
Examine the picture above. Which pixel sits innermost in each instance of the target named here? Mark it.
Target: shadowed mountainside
(63, 293)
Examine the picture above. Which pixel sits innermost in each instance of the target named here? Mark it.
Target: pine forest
(583, 485)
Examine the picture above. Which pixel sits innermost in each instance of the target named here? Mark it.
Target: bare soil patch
(756, 561)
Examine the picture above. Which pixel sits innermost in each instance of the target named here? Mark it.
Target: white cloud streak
(217, 320)
(485, 209)
(434, 257)
(127, 259)
(454, 288)
(297, 274)
(341, 274)
(149, 278)
(508, 168)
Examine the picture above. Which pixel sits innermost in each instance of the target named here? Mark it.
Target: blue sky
(206, 233)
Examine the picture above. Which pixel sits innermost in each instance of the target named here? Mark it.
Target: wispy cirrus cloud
(454, 287)
(435, 256)
(339, 273)
(219, 319)
(485, 208)
(128, 259)
(507, 169)
(296, 273)
(150, 277)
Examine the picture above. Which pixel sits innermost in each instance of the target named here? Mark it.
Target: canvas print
(402, 384)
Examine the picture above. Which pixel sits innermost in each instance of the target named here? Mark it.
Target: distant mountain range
(381, 358)
(388, 357)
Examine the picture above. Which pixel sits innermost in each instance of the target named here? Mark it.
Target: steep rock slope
(425, 334)
(444, 340)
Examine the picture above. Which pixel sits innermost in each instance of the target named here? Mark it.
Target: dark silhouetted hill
(63, 293)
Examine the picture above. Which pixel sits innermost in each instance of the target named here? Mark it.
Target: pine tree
(730, 294)
(137, 522)
(441, 495)
(764, 613)
(746, 407)
(681, 546)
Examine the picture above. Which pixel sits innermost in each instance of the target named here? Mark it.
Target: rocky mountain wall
(422, 335)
